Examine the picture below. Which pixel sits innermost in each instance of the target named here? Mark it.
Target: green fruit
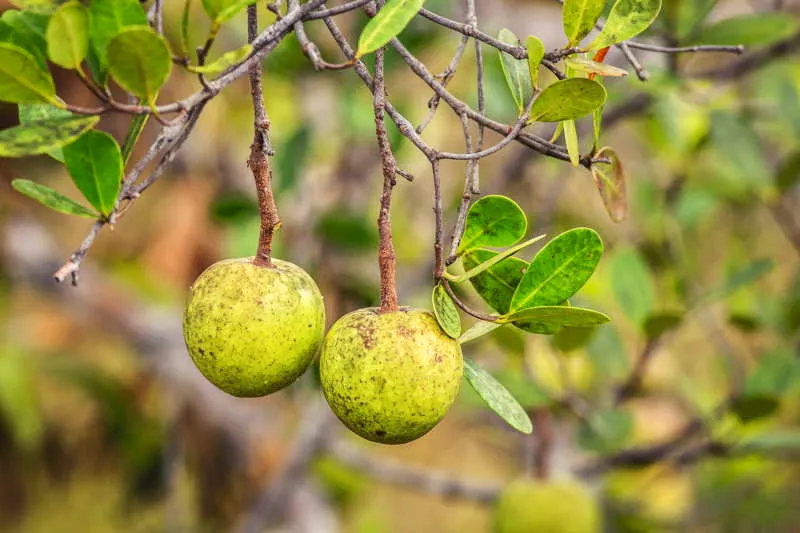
(529, 506)
(390, 377)
(252, 330)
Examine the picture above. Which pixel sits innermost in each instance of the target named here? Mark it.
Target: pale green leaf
(392, 18)
(535, 55)
(497, 397)
(580, 17)
(52, 199)
(22, 81)
(627, 19)
(224, 62)
(571, 140)
(68, 35)
(43, 136)
(568, 100)
(34, 112)
(516, 72)
(139, 60)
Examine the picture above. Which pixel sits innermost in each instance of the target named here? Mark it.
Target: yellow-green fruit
(252, 330)
(530, 506)
(390, 377)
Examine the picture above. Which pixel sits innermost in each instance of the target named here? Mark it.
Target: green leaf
(225, 61)
(627, 19)
(556, 316)
(571, 140)
(776, 373)
(516, 71)
(559, 270)
(68, 35)
(185, 18)
(568, 100)
(21, 79)
(741, 161)
(580, 17)
(230, 9)
(52, 199)
(496, 284)
(740, 278)
(497, 397)
(495, 221)
(754, 406)
(94, 163)
(20, 409)
(392, 18)
(43, 136)
(138, 58)
(773, 441)
(750, 30)
(594, 67)
(609, 179)
(607, 354)
(446, 312)
(605, 431)
(108, 18)
(570, 339)
(660, 323)
(597, 121)
(535, 55)
(37, 6)
(632, 284)
(489, 263)
(34, 112)
(26, 30)
(137, 124)
(789, 172)
(479, 329)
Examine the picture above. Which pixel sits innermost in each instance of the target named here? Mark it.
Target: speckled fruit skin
(252, 330)
(390, 377)
(529, 506)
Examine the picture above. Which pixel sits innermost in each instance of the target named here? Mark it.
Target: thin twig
(386, 257)
(260, 150)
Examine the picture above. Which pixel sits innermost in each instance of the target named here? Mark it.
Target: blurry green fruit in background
(252, 330)
(531, 506)
(390, 377)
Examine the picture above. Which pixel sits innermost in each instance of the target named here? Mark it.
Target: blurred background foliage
(105, 425)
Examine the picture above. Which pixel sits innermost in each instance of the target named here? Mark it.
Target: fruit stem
(260, 150)
(387, 261)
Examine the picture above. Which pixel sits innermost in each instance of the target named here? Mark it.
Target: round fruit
(527, 505)
(390, 377)
(252, 330)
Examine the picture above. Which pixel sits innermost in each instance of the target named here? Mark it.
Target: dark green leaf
(556, 316)
(135, 129)
(139, 60)
(535, 55)
(346, 230)
(497, 397)
(559, 270)
(26, 30)
(660, 323)
(225, 61)
(633, 284)
(568, 100)
(43, 136)
(571, 140)
(492, 261)
(754, 406)
(108, 18)
(68, 35)
(789, 172)
(609, 178)
(627, 19)
(516, 71)
(750, 30)
(446, 311)
(33, 112)
(493, 221)
(22, 81)
(495, 285)
(479, 329)
(580, 17)
(52, 199)
(392, 18)
(606, 431)
(94, 163)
